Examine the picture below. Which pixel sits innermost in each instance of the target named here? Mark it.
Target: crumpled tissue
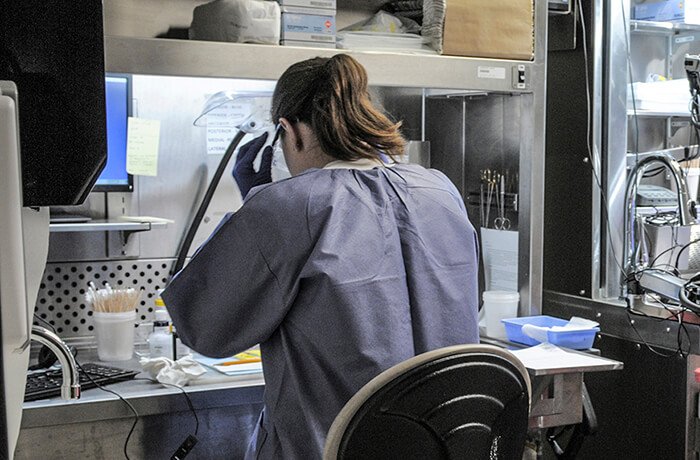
(167, 371)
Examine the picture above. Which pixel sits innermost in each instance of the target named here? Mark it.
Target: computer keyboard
(47, 383)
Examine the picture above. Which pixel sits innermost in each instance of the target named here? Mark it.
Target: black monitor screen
(54, 52)
(118, 101)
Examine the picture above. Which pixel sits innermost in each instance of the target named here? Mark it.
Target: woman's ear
(286, 125)
(293, 133)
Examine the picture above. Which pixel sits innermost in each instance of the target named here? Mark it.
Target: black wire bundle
(678, 315)
(694, 83)
(694, 102)
(690, 294)
(133, 410)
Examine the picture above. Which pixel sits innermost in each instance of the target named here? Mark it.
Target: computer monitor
(114, 177)
(53, 50)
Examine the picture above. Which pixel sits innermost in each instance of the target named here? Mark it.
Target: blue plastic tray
(578, 340)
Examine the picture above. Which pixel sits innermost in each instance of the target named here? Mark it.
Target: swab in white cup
(114, 315)
(115, 335)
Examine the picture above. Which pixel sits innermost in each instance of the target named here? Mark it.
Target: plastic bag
(385, 22)
(242, 21)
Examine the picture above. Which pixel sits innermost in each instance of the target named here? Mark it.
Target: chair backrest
(460, 402)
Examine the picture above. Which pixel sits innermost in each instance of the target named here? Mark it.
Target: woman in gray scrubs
(348, 267)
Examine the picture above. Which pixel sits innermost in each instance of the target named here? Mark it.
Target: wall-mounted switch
(521, 77)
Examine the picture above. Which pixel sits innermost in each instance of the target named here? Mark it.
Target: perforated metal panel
(61, 301)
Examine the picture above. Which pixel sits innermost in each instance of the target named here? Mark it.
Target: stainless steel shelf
(678, 153)
(657, 113)
(106, 226)
(157, 56)
(664, 28)
(651, 27)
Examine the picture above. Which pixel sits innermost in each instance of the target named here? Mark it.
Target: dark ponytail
(330, 94)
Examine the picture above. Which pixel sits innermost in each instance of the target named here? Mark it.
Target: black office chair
(460, 402)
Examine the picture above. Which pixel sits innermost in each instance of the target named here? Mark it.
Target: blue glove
(243, 172)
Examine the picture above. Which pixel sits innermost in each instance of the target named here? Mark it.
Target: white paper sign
(221, 125)
(495, 73)
(499, 252)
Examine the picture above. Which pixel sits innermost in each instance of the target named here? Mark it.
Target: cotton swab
(111, 300)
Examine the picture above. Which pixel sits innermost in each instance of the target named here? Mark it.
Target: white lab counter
(97, 424)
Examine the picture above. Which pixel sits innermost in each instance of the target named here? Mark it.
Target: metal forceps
(501, 222)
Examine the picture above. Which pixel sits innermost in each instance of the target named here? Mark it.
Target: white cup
(115, 335)
(499, 305)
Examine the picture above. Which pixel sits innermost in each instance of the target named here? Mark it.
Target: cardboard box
(687, 11)
(502, 29)
(307, 24)
(325, 4)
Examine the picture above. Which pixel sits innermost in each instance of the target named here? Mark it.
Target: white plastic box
(308, 25)
(687, 11)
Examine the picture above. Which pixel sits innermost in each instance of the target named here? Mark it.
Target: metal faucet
(635, 177)
(70, 388)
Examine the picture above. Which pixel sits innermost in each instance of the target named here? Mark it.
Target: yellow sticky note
(143, 137)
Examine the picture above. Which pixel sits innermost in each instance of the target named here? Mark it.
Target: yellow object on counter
(250, 356)
(247, 362)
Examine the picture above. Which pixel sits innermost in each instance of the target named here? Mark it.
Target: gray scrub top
(339, 274)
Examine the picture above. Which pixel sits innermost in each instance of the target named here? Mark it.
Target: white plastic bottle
(160, 342)
(180, 348)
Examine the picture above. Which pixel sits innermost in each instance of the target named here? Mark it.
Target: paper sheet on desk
(548, 356)
(235, 369)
